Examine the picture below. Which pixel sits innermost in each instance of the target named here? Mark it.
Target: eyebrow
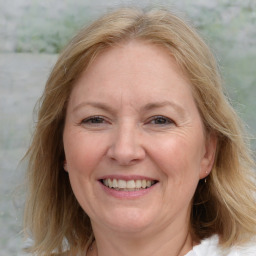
(98, 105)
(155, 105)
(147, 107)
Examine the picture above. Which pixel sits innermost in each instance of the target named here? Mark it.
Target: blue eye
(160, 120)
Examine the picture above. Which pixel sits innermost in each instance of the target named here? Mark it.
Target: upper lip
(126, 177)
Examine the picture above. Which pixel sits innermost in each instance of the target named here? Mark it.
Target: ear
(209, 155)
(65, 165)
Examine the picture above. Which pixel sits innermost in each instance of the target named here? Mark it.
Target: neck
(163, 242)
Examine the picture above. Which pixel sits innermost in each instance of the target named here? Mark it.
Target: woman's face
(134, 141)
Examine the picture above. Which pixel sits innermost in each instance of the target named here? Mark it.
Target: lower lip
(127, 194)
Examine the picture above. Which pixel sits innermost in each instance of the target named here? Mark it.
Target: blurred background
(32, 33)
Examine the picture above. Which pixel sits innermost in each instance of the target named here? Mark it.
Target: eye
(94, 120)
(160, 120)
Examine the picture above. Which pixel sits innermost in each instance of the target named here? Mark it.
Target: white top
(210, 247)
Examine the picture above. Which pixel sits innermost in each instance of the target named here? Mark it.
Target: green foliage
(47, 28)
(44, 32)
(240, 79)
(227, 26)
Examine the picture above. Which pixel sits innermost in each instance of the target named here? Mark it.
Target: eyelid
(169, 120)
(104, 120)
(87, 119)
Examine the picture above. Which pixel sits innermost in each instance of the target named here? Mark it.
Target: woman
(137, 150)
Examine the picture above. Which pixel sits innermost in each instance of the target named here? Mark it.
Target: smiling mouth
(128, 185)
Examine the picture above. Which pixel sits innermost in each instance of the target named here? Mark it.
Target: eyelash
(94, 120)
(167, 121)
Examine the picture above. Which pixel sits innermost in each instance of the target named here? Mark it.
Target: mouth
(128, 185)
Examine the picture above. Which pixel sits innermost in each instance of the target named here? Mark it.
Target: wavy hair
(224, 205)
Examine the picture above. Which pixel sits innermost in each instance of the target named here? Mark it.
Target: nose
(126, 146)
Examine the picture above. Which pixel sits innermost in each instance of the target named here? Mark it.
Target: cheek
(82, 151)
(179, 157)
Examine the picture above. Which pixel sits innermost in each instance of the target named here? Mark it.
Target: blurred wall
(32, 33)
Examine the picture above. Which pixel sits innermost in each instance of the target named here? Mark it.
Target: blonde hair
(224, 205)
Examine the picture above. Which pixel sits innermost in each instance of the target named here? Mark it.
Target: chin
(129, 220)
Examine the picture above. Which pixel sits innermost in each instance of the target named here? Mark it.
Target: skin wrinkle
(128, 144)
(229, 188)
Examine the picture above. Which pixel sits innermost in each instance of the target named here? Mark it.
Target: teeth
(105, 182)
(144, 183)
(110, 183)
(114, 183)
(129, 184)
(121, 184)
(138, 183)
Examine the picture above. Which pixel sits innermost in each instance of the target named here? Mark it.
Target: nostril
(126, 157)
(126, 148)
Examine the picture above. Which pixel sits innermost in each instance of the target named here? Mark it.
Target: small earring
(205, 179)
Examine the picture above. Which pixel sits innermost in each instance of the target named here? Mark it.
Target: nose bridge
(126, 147)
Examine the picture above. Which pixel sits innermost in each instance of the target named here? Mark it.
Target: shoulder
(210, 247)
(246, 250)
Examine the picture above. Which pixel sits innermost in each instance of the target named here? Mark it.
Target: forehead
(130, 70)
(135, 56)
